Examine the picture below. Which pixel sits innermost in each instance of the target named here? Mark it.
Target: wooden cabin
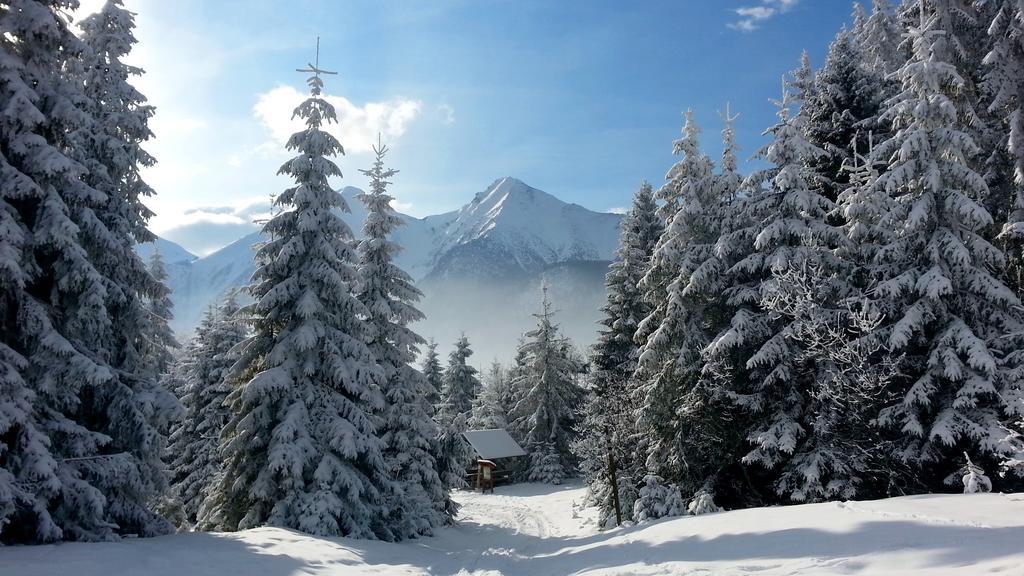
(496, 456)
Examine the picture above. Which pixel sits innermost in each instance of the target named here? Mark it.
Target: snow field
(539, 530)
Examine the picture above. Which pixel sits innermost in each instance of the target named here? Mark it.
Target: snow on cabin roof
(493, 444)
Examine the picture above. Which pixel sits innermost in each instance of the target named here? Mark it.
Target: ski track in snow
(539, 530)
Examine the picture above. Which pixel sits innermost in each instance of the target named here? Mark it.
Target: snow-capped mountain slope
(171, 253)
(506, 237)
(511, 228)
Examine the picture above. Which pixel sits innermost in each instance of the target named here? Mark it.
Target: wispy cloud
(446, 113)
(357, 126)
(751, 17)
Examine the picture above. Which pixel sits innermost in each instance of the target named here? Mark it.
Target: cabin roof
(493, 444)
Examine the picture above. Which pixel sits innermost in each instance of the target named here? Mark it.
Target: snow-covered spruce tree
(947, 314)
(433, 374)
(1005, 78)
(415, 505)
(80, 456)
(785, 226)
(157, 344)
(460, 384)
(460, 387)
(203, 369)
(608, 413)
(842, 110)
(492, 405)
(880, 40)
(691, 179)
(548, 411)
(300, 450)
(684, 414)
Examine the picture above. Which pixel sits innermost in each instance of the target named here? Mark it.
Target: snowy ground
(535, 530)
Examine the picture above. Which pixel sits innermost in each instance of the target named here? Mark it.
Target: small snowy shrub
(546, 465)
(657, 500)
(702, 503)
(975, 481)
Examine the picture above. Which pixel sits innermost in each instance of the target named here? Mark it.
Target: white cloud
(403, 207)
(447, 114)
(751, 17)
(205, 229)
(357, 126)
(618, 210)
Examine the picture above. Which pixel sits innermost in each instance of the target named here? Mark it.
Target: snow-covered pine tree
(415, 505)
(82, 442)
(203, 369)
(946, 312)
(548, 411)
(491, 406)
(691, 180)
(1005, 79)
(608, 414)
(157, 344)
(786, 227)
(841, 110)
(460, 387)
(433, 374)
(460, 383)
(880, 44)
(683, 417)
(300, 450)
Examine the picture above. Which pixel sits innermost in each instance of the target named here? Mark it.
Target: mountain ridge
(501, 242)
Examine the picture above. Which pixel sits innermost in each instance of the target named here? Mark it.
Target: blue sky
(581, 99)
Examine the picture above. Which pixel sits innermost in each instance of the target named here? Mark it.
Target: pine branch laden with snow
(548, 405)
(416, 503)
(202, 370)
(300, 450)
(83, 431)
(947, 312)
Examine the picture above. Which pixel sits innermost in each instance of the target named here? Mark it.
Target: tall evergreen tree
(406, 427)
(686, 410)
(300, 450)
(1005, 79)
(203, 370)
(460, 383)
(841, 111)
(80, 455)
(608, 414)
(460, 387)
(785, 227)
(157, 343)
(548, 412)
(492, 405)
(433, 374)
(947, 314)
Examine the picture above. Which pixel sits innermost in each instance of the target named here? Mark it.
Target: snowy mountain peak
(510, 230)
